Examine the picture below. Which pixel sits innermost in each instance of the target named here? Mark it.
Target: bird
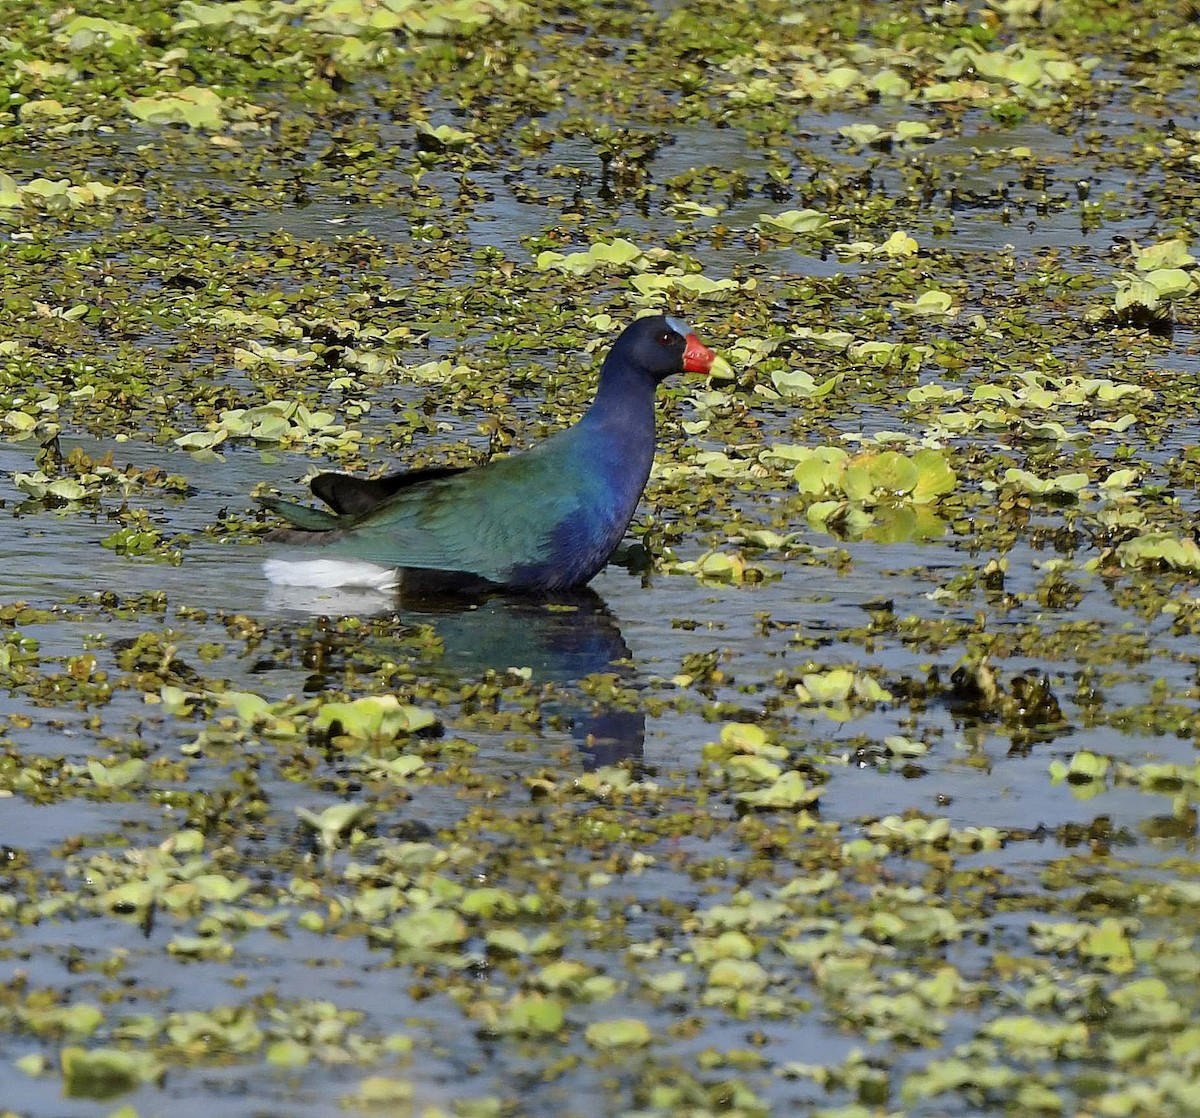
(545, 519)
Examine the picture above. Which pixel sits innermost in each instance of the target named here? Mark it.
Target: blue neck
(602, 463)
(619, 431)
(624, 406)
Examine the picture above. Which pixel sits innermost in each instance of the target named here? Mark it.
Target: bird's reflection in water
(561, 638)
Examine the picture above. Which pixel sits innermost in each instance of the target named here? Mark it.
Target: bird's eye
(667, 337)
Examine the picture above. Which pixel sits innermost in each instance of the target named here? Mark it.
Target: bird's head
(662, 345)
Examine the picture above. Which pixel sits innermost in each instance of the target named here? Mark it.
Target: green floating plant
(120, 774)
(747, 760)
(1070, 485)
(1159, 549)
(1026, 402)
(898, 246)
(39, 486)
(789, 790)
(739, 738)
(800, 222)
(104, 1073)
(335, 822)
(883, 494)
(1163, 273)
(1086, 772)
(143, 540)
(692, 211)
(79, 1020)
(1171, 254)
(618, 253)
(839, 693)
(1020, 66)
(195, 106)
(931, 304)
(375, 1093)
(652, 284)
(1035, 390)
(443, 137)
(798, 384)
(1165, 778)
(59, 195)
(418, 17)
(254, 354)
(744, 753)
(902, 132)
(374, 718)
(285, 422)
(81, 33)
(622, 1032)
(441, 372)
(529, 1015)
(869, 477)
(717, 568)
(900, 356)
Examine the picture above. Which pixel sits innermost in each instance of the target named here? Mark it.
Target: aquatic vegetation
(882, 750)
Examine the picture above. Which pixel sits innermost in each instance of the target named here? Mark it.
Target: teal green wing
(485, 521)
(300, 516)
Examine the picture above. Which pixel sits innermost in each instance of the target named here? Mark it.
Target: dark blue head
(658, 347)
